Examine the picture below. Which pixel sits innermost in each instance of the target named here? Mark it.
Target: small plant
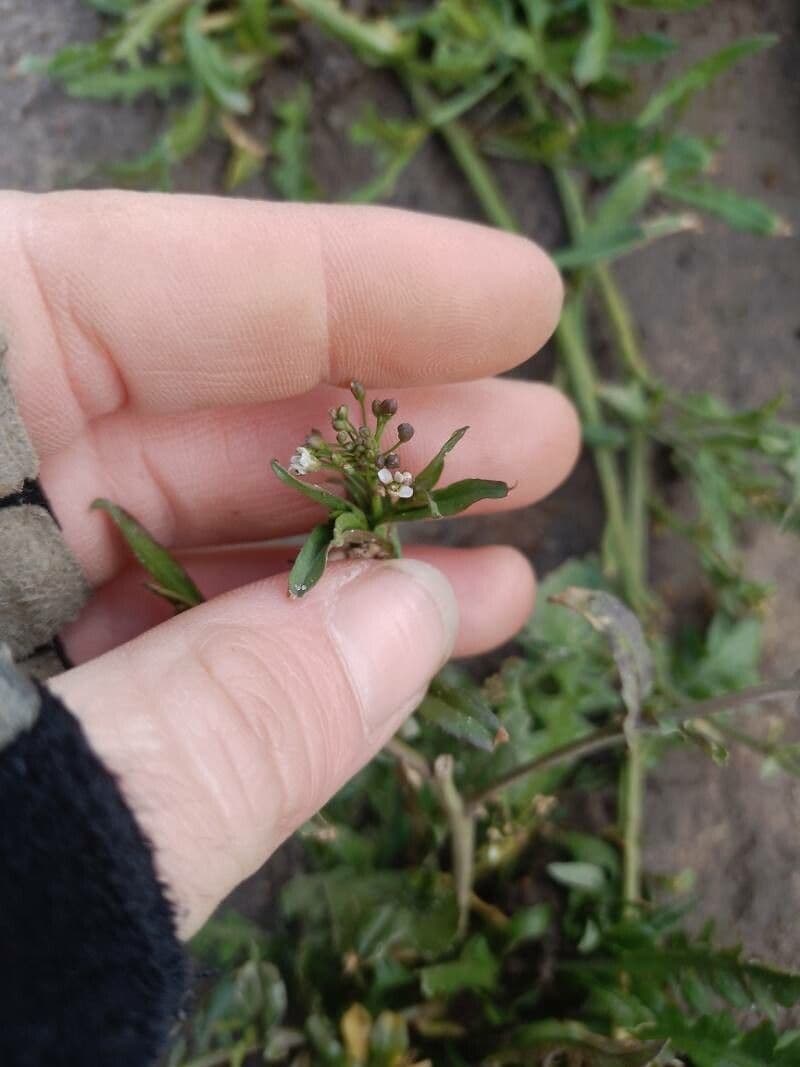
(378, 493)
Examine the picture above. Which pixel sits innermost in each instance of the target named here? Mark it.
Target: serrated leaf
(700, 75)
(316, 493)
(429, 476)
(310, 564)
(455, 498)
(740, 212)
(171, 580)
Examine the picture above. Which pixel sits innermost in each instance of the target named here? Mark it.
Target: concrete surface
(718, 311)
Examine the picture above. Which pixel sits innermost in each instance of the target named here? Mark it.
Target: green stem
(476, 171)
(574, 351)
(621, 322)
(632, 805)
(599, 741)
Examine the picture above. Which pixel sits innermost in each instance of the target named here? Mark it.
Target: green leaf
(211, 65)
(309, 566)
(171, 580)
(592, 58)
(527, 924)
(455, 498)
(316, 493)
(740, 212)
(347, 522)
(291, 144)
(679, 91)
(594, 248)
(587, 877)
(476, 969)
(429, 476)
(626, 197)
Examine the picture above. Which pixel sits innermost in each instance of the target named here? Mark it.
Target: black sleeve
(91, 971)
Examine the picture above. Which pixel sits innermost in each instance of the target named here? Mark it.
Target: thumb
(228, 726)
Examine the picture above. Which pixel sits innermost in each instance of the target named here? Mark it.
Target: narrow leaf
(212, 67)
(592, 58)
(309, 566)
(611, 246)
(456, 498)
(313, 492)
(699, 76)
(740, 212)
(430, 475)
(170, 579)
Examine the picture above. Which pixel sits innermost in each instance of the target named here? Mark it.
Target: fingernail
(395, 626)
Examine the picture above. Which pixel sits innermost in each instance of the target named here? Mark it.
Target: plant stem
(614, 735)
(632, 786)
(462, 831)
(574, 351)
(475, 170)
(599, 741)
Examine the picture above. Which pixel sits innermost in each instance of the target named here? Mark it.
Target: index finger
(168, 302)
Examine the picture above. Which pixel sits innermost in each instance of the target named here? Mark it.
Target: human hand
(162, 350)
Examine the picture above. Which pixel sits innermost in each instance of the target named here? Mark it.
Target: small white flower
(303, 461)
(398, 484)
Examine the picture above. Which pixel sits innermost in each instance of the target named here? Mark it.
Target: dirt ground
(718, 311)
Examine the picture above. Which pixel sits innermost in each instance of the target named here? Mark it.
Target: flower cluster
(358, 453)
(372, 491)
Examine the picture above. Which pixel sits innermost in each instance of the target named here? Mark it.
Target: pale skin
(163, 349)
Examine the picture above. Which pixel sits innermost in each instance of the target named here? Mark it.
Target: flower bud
(391, 461)
(405, 431)
(389, 406)
(357, 389)
(343, 438)
(376, 408)
(343, 413)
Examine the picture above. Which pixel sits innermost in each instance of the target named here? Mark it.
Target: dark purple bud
(376, 408)
(389, 406)
(392, 461)
(405, 431)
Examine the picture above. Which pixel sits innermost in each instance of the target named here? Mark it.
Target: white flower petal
(405, 491)
(384, 476)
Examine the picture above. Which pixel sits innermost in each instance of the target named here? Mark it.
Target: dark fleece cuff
(91, 971)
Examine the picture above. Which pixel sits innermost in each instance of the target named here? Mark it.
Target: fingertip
(495, 587)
